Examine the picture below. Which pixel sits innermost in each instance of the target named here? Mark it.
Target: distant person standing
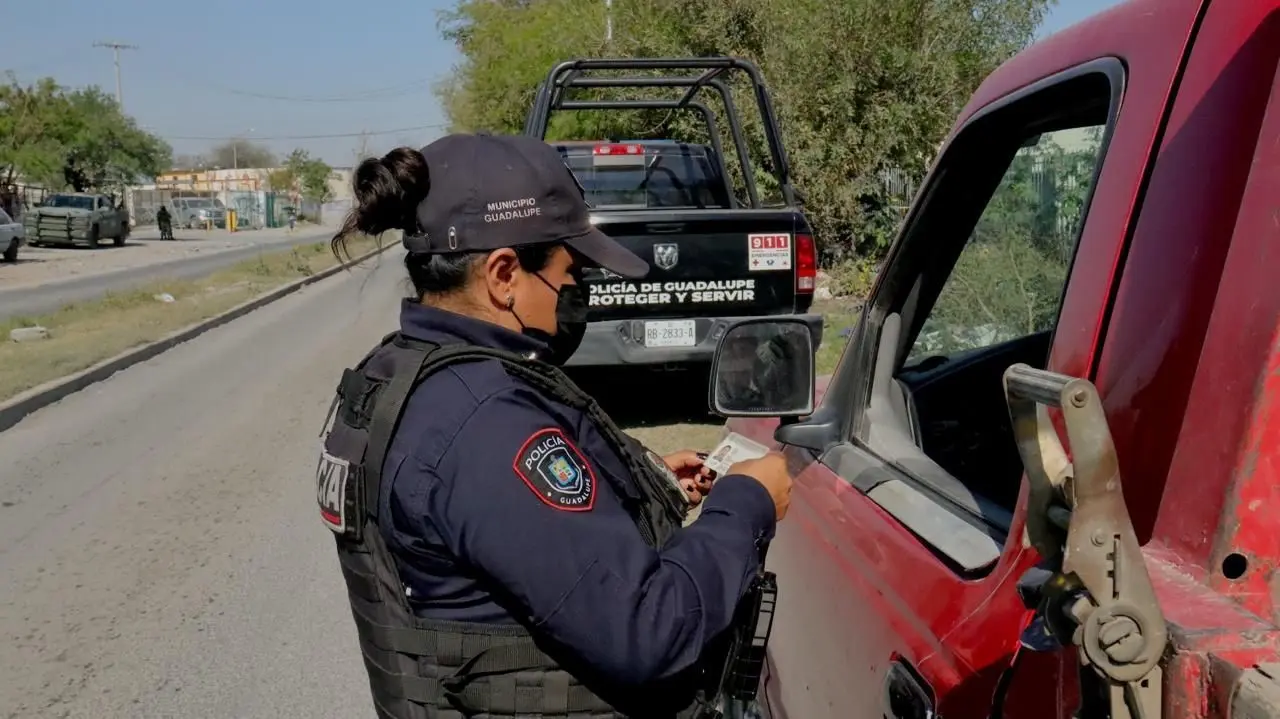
(165, 221)
(292, 213)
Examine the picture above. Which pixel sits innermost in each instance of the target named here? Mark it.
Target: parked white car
(12, 236)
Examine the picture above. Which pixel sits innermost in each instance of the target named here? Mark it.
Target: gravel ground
(41, 265)
(45, 279)
(158, 541)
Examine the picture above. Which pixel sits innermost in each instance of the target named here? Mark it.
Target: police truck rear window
(639, 176)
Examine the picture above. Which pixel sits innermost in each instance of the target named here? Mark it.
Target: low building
(245, 190)
(341, 196)
(241, 180)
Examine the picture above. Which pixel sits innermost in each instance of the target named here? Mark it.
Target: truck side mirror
(764, 367)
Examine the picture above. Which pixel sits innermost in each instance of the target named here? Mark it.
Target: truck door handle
(905, 694)
(665, 228)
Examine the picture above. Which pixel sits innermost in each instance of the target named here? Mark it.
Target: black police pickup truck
(714, 258)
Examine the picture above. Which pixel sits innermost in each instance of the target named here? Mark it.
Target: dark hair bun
(388, 191)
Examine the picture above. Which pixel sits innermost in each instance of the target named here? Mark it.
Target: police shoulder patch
(553, 467)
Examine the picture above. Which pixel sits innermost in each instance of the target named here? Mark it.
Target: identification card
(733, 449)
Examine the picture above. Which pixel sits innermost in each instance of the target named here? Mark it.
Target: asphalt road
(160, 549)
(159, 543)
(51, 296)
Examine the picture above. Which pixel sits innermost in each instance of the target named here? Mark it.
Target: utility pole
(608, 22)
(362, 150)
(116, 47)
(235, 151)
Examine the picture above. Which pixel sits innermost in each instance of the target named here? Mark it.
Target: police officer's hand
(771, 471)
(695, 478)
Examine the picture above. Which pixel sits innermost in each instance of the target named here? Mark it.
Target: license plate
(672, 333)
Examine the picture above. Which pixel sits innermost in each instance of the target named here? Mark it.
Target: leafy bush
(865, 90)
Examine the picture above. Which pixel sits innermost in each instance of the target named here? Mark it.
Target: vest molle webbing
(427, 669)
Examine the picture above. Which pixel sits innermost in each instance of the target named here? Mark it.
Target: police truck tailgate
(718, 253)
(707, 262)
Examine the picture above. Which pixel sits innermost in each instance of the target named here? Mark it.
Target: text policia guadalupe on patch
(664, 293)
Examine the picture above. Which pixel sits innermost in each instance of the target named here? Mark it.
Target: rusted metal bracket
(1078, 521)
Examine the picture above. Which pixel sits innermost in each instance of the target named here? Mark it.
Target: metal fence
(16, 199)
(899, 186)
(250, 208)
(144, 203)
(255, 209)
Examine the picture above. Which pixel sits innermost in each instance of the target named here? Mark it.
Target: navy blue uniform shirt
(494, 485)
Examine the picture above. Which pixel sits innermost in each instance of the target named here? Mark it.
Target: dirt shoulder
(38, 266)
(82, 334)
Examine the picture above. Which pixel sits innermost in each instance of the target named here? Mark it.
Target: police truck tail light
(806, 264)
(618, 150)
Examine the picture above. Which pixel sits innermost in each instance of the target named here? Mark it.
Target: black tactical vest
(428, 669)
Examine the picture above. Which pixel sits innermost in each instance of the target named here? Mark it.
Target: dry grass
(839, 315)
(83, 334)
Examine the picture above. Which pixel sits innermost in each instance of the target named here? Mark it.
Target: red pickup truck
(1141, 321)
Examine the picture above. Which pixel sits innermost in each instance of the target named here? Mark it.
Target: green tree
(281, 180)
(241, 153)
(1008, 282)
(860, 86)
(303, 175)
(105, 149)
(29, 120)
(76, 139)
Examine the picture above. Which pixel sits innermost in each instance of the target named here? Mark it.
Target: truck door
(108, 220)
(897, 564)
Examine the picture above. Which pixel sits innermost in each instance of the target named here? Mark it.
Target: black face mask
(571, 323)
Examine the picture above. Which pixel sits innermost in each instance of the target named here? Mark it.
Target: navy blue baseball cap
(494, 191)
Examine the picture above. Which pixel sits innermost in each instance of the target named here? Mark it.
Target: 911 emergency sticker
(332, 474)
(556, 471)
(768, 252)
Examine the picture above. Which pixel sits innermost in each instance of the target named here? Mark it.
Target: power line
(371, 94)
(332, 136)
(374, 94)
(383, 93)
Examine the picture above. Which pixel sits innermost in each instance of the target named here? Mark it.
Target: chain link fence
(255, 209)
(16, 199)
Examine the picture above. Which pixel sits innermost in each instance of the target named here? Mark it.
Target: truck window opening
(675, 177)
(78, 202)
(990, 297)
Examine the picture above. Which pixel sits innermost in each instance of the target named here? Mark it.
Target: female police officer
(507, 550)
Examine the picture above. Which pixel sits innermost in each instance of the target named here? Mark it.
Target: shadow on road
(638, 398)
(25, 260)
(105, 245)
(176, 238)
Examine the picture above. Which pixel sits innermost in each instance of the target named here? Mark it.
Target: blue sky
(332, 68)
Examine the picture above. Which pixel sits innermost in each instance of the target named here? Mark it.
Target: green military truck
(76, 218)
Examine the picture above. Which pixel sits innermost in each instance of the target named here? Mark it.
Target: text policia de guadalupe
(665, 293)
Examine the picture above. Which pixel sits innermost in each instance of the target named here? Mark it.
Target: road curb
(16, 409)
